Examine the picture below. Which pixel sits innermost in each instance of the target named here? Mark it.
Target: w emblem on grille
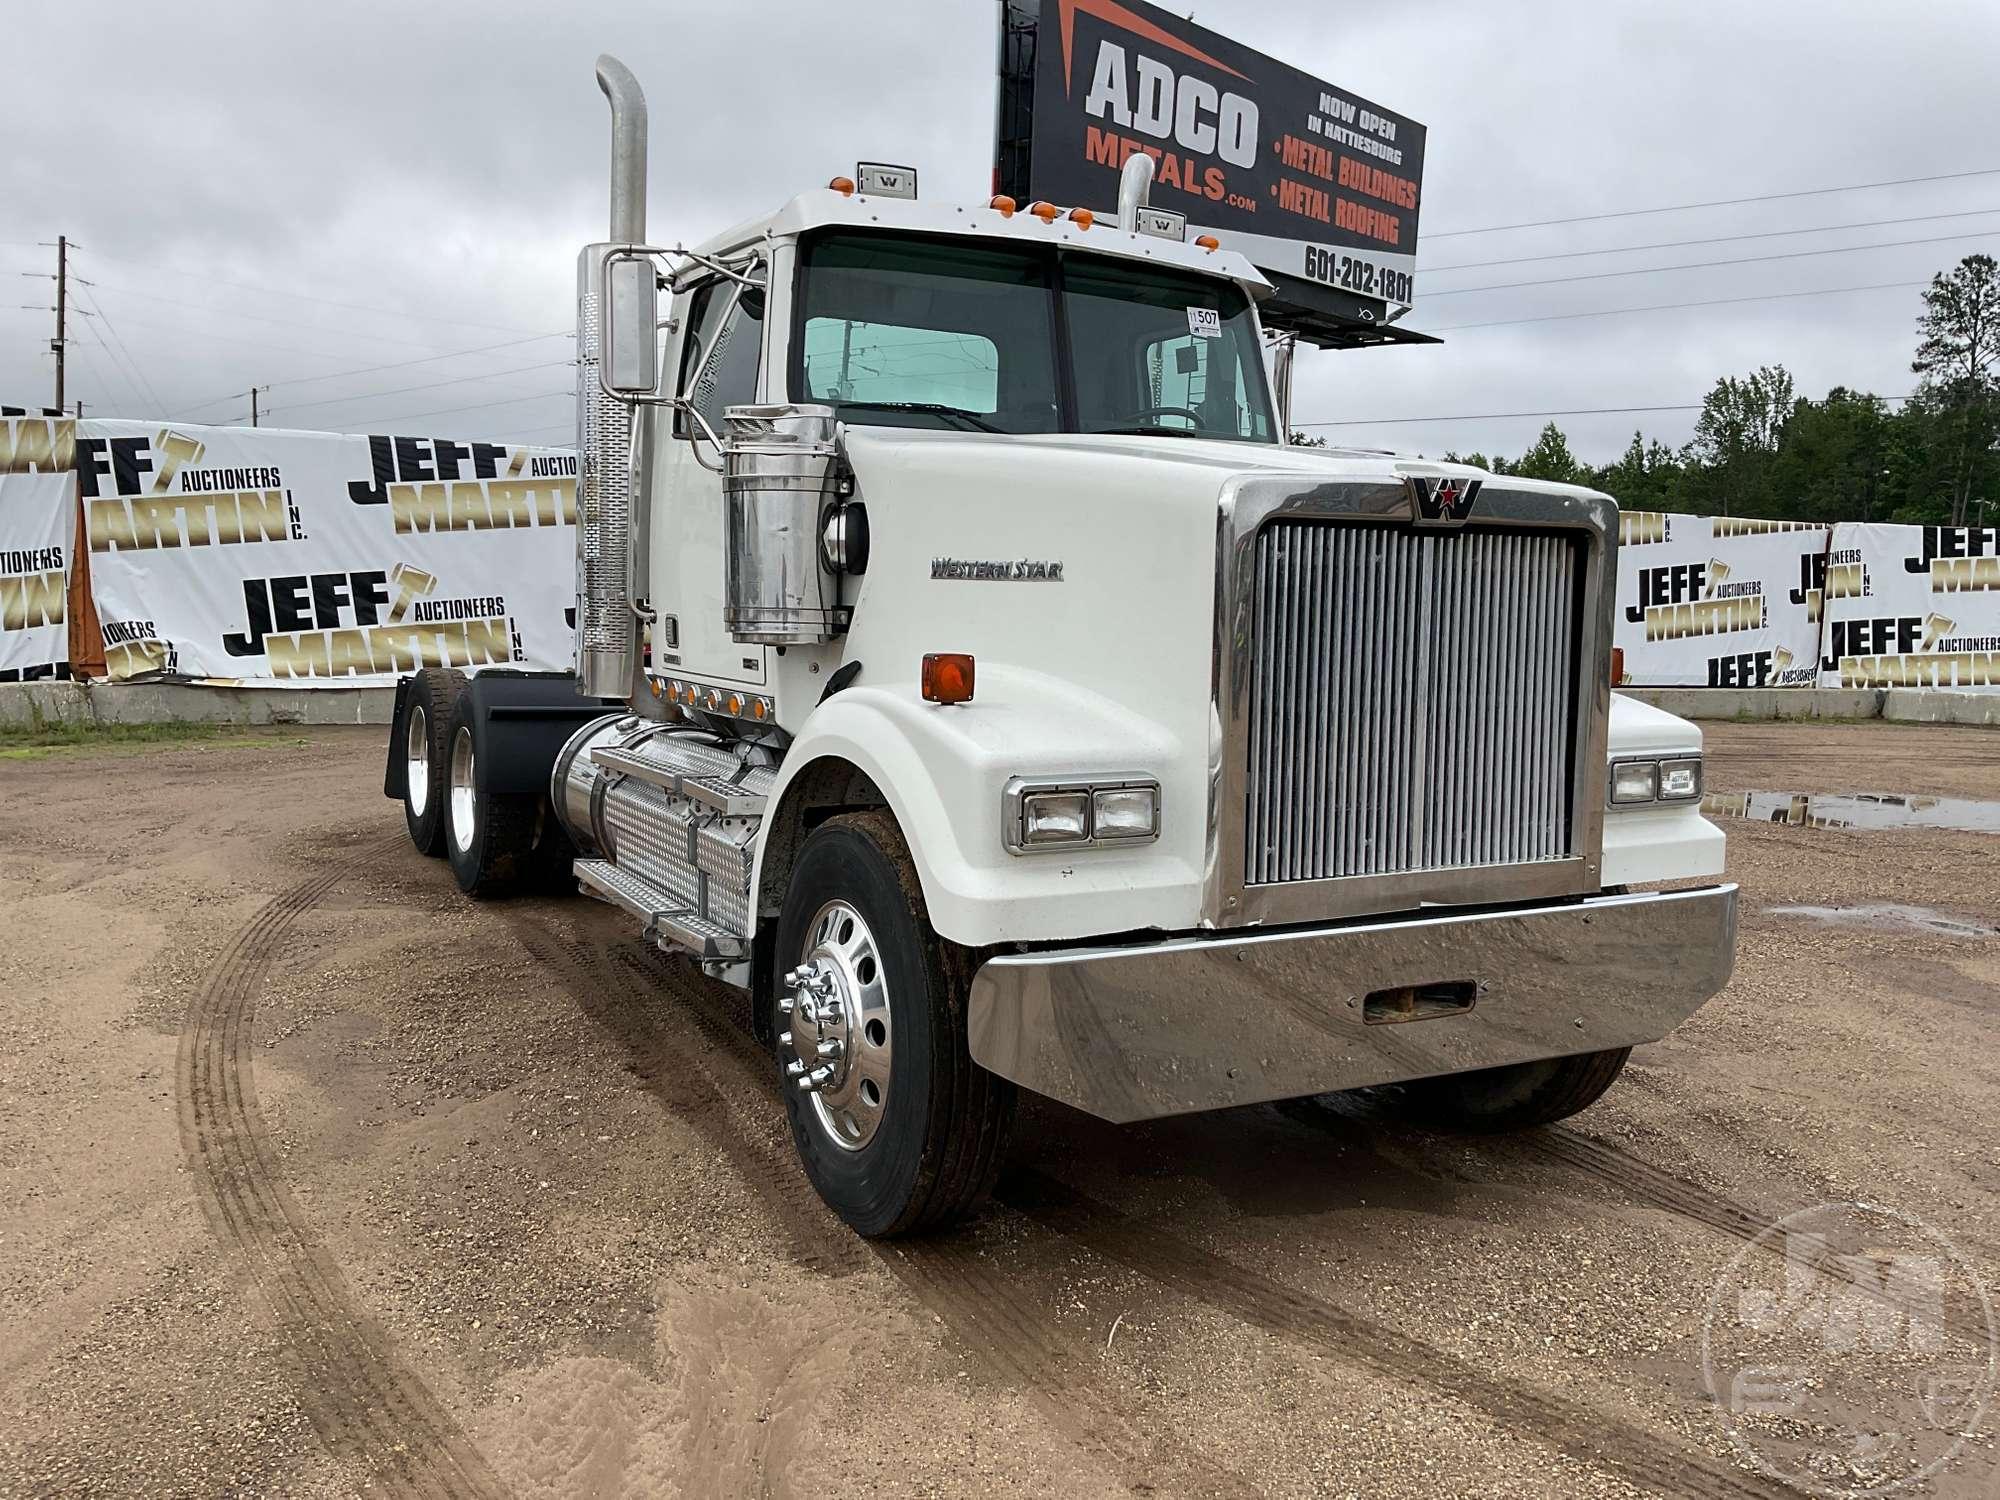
(1440, 501)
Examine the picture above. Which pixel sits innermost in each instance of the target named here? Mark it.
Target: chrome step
(706, 939)
(667, 921)
(605, 881)
(725, 797)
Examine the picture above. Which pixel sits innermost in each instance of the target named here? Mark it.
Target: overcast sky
(436, 167)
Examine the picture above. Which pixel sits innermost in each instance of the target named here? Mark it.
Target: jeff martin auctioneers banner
(249, 555)
(37, 523)
(1914, 606)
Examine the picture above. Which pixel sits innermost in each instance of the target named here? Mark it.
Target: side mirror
(632, 353)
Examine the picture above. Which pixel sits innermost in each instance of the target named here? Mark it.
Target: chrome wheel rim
(417, 757)
(838, 1037)
(462, 790)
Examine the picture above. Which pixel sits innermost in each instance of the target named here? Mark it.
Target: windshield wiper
(930, 408)
(1148, 431)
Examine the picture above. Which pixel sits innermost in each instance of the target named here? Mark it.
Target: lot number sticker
(1204, 323)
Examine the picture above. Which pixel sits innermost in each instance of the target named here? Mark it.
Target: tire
(551, 855)
(426, 727)
(1518, 1097)
(926, 1153)
(489, 838)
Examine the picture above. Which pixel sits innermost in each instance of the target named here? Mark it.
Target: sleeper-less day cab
(968, 668)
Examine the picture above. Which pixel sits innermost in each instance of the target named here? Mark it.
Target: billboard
(301, 559)
(1312, 182)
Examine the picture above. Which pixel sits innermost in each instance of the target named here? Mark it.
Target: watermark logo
(1851, 1350)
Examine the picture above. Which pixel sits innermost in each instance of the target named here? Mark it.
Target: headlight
(1125, 812)
(1055, 818)
(1038, 815)
(1680, 780)
(1636, 782)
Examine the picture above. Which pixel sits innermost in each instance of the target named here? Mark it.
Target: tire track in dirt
(1573, 1428)
(363, 1400)
(1648, 1186)
(1635, 1182)
(656, 1008)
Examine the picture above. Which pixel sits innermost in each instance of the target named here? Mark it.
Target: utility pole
(253, 402)
(60, 342)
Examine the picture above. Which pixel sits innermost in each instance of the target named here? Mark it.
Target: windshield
(903, 331)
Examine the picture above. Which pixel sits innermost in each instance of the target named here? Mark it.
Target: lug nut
(795, 1068)
(820, 1076)
(784, 1039)
(829, 1048)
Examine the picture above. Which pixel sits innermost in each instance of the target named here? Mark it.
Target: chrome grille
(1411, 700)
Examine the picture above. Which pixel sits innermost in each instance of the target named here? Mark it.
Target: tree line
(1760, 449)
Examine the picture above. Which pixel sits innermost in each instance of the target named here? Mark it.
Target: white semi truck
(968, 668)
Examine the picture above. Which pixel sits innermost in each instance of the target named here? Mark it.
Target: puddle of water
(1864, 810)
(1921, 918)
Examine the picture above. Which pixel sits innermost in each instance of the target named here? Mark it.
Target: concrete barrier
(1765, 703)
(181, 703)
(1936, 706)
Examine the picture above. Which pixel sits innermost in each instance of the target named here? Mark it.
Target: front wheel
(1517, 1097)
(896, 1125)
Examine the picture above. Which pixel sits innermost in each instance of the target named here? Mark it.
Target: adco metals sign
(1305, 178)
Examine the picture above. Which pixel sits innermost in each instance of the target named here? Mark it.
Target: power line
(1720, 239)
(446, 411)
(429, 385)
(377, 369)
(1675, 208)
(1709, 265)
(118, 342)
(1614, 312)
(393, 312)
(223, 312)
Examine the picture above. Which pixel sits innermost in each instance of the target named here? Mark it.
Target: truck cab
(972, 671)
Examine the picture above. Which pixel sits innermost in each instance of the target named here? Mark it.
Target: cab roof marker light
(843, 186)
(1046, 212)
(1003, 204)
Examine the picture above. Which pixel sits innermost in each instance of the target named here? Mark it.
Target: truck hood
(1192, 456)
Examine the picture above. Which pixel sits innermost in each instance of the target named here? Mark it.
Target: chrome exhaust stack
(608, 491)
(1135, 188)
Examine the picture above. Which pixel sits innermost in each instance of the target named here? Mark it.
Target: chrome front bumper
(1209, 1022)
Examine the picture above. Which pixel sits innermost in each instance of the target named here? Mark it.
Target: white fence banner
(1714, 601)
(255, 556)
(1913, 606)
(37, 523)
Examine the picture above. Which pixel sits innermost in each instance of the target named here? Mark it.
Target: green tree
(1550, 458)
(1831, 459)
(1735, 438)
(1648, 476)
(1957, 350)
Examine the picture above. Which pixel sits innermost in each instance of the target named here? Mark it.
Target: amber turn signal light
(947, 677)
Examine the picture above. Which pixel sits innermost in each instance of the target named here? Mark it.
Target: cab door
(720, 358)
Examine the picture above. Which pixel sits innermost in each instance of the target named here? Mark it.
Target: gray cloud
(443, 164)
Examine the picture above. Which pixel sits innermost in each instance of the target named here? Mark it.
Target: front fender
(942, 771)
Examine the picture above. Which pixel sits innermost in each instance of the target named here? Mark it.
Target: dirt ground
(321, 1181)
